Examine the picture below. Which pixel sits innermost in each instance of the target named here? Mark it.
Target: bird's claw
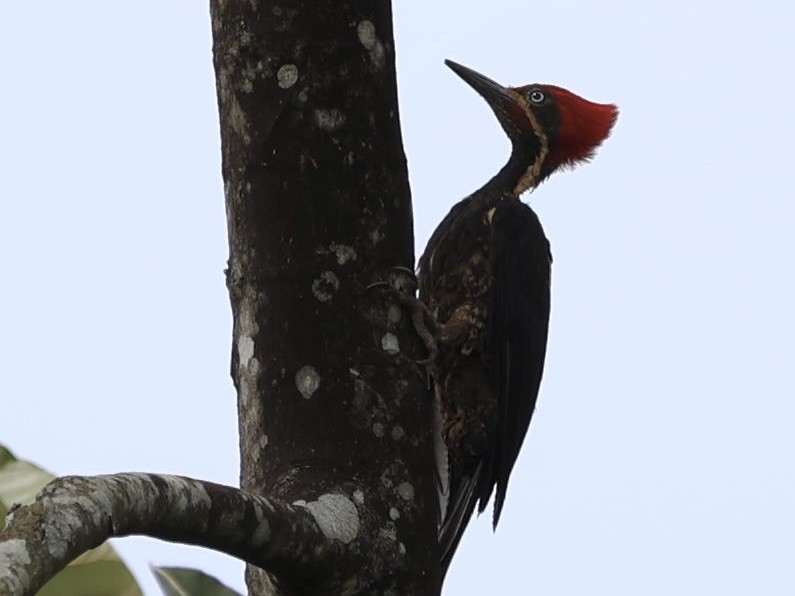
(403, 281)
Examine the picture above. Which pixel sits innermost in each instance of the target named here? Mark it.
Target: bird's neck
(522, 171)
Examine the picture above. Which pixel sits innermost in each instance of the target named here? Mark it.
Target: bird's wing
(517, 334)
(431, 272)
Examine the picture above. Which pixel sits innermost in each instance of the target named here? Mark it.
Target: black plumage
(485, 278)
(494, 311)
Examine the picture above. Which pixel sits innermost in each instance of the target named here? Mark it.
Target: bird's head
(549, 127)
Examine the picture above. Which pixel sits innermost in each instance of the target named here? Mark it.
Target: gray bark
(74, 514)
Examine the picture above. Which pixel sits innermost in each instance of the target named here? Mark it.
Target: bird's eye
(536, 96)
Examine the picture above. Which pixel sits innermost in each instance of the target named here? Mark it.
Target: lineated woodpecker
(485, 278)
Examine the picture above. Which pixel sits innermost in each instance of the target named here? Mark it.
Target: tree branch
(75, 513)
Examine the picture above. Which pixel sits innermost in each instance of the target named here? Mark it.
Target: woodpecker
(485, 280)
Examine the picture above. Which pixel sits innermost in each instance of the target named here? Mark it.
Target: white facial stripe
(533, 173)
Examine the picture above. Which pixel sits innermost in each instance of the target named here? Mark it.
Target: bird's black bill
(491, 91)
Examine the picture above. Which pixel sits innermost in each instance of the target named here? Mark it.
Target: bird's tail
(457, 516)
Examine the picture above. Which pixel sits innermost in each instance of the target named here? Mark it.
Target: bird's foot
(403, 281)
(424, 323)
(425, 327)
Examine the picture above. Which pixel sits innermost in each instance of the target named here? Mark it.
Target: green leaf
(97, 578)
(183, 581)
(19, 480)
(98, 572)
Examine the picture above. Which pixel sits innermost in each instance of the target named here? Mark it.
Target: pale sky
(661, 459)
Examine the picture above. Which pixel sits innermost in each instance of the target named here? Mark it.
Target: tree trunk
(335, 413)
(333, 409)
